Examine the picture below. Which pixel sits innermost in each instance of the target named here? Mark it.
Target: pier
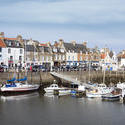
(68, 78)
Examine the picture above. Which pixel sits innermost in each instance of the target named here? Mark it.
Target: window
(11, 58)
(0, 57)
(0, 49)
(21, 51)
(17, 44)
(56, 57)
(68, 57)
(80, 58)
(9, 43)
(9, 50)
(42, 58)
(20, 58)
(63, 57)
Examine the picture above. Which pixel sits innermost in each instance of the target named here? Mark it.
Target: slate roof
(30, 48)
(111, 54)
(76, 48)
(44, 49)
(12, 43)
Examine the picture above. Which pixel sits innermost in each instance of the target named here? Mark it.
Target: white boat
(81, 88)
(64, 91)
(55, 87)
(99, 90)
(120, 85)
(111, 97)
(19, 87)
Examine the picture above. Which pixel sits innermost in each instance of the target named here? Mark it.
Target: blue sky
(100, 22)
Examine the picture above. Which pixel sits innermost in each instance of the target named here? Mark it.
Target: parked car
(5, 67)
(1, 69)
(74, 67)
(35, 68)
(68, 67)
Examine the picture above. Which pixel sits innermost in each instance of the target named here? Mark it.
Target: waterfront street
(39, 109)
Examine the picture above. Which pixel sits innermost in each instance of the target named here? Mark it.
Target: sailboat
(17, 85)
(100, 89)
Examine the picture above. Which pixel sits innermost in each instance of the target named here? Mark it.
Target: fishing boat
(16, 85)
(98, 91)
(111, 97)
(54, 88)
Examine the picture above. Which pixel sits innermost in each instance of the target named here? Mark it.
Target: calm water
(36, 109)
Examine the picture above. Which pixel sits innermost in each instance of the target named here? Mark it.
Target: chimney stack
(73, 42)
(2, 34)
(85, 43)
(61, 41)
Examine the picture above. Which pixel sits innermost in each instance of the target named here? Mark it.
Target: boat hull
(93, 95)
(111, 98)
(19, 89)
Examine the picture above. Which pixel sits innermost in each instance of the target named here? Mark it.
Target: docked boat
(98, 91)
(81, 88)
(111, 97)
(54, 88)
(120, 85)
(18, 86)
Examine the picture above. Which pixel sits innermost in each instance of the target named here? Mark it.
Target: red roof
(8, 38)
(43, 44)
(2, 44)
(123, 56)
(103, 55)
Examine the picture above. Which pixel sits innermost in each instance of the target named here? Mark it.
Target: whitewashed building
(109, 61)
(12, 53)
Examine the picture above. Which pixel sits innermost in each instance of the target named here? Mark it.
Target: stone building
(75, 53)
(59, 56)
(46, 55)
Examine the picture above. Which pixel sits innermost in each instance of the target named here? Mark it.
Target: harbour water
(39, 109)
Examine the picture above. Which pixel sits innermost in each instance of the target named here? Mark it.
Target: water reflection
(34, 108)
(19, 97)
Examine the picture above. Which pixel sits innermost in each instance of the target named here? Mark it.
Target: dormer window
(62, 50)
(9, 43)
(17, 44)
(55, 50)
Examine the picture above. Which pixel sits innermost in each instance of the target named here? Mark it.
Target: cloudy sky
(100, 22)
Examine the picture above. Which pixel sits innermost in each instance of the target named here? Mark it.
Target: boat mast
(104, 67)
(25, 58)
